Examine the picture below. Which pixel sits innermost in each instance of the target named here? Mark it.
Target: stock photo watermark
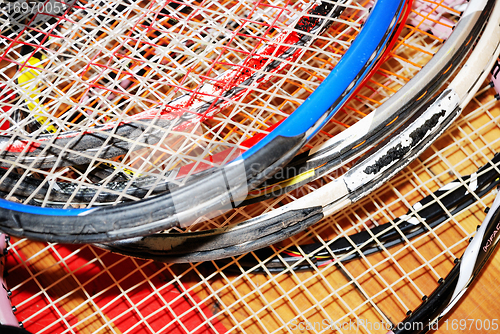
(357, 324)
(329, 324)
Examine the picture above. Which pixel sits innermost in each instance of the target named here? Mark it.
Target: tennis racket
(61, 192)
(184, 203)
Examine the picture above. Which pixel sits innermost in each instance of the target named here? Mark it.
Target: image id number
(471, 324)
(32, 7)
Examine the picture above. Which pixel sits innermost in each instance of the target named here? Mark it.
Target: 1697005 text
(32, 7)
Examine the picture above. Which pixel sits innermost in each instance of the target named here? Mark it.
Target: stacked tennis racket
(230, 127)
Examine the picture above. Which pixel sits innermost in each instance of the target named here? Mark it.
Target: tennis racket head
(243, 177)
